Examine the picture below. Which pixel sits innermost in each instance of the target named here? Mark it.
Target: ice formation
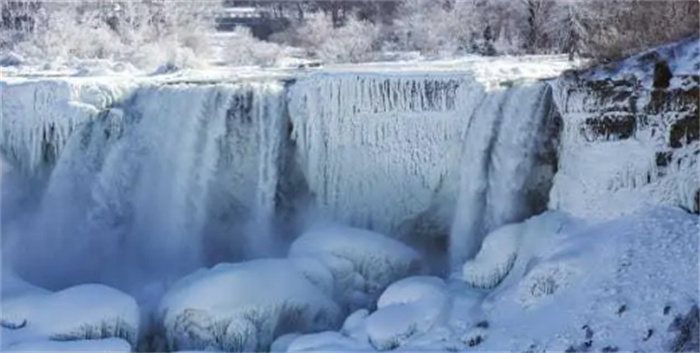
(162, 178)
(377, 150)
(500, 165)
(361, 263)
(170, 174)
(243, 307)
(412, 290)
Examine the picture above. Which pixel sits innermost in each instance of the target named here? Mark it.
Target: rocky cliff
(630, 134)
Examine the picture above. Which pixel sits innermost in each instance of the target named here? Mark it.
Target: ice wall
(39, 116)
(154, 178)
(376, 150)
(379, 151)
(165, 180)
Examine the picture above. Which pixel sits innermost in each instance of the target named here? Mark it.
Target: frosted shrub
(354, 41)
(62, 33)
(423, 26)
(145, 33)
(244, 49)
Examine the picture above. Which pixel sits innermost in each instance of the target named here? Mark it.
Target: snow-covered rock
(362, 263)
(354, 324)
(408, 308)
(96, 345)
(393, 325)
(414, 290)
(84, 312)
(244, 307)
(328, 341)
(495, 259)
(629, 139)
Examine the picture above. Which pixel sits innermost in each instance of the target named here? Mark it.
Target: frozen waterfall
(378, 150)
(158, 178)
(160, 181)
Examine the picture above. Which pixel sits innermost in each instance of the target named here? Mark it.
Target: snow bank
(243, 307)
(426, 141)
(362, 263)
(617, 285)
(407, 127)
(83, 312)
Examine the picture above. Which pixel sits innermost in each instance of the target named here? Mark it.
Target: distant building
(261, 21)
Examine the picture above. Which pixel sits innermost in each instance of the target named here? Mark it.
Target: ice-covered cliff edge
(630, 135)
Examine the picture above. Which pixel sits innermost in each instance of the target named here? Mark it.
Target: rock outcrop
(630, 138)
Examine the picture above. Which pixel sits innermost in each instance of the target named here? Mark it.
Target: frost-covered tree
(568, 26)
(536, 14)
(354, 41)
(137, 31)
(424, 25)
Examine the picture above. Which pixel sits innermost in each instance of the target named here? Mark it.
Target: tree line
(358, 30)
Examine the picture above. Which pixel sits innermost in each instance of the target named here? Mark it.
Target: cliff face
(630, 135)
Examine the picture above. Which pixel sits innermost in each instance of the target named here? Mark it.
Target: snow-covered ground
(575, 286)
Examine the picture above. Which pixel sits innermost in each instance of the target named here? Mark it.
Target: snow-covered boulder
(244, 307)
(355, 325)
(407, 309)
(414, 290)
(392, 326)
(96, 345)
(495, 259)
(328, 341)
(281, 344)
(362, 263)
(88, 311)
